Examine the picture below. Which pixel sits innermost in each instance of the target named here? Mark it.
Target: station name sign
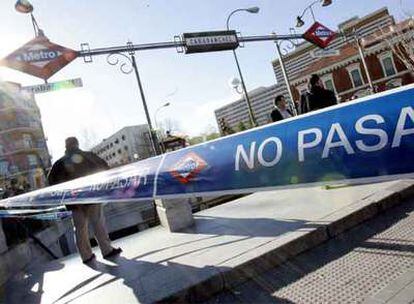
(321, 53)
(54, 86)
(212, 41)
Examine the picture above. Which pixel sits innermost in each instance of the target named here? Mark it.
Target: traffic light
(222, 125)
(224, 128)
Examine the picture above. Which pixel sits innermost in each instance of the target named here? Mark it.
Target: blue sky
(110, 100)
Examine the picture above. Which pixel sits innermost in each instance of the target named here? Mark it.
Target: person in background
(13, 190)
(317, 97)
(281, 110)
(74, 164)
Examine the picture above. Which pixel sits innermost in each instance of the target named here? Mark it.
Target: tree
(209, 133)
(195, 140)
(169, 124)
(241, 126)
(88, 139)
(212, 136)
(400, 39)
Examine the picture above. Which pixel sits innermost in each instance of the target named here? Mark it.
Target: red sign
(39, 57)
(319, 35)
(188, 167)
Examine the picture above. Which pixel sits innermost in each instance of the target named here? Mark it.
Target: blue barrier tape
(367, 140)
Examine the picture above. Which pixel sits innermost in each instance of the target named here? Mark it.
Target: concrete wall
(30, 253)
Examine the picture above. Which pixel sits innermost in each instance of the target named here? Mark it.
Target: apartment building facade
(345, 74)
(127, 145)
(24, 156)
(262, 101)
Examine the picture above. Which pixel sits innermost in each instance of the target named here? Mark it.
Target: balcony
(20, 126)
(22, 147)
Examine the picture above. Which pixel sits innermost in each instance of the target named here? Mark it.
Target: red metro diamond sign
(39, 57)
(319, 35)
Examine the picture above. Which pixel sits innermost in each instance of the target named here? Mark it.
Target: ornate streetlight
(127, 68)
(299, 19)
(251, 10)
(156, 124)
(25, 7)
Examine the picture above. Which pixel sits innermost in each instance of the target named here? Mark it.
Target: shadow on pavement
(149, 282)
(252, 227)
(27, 286)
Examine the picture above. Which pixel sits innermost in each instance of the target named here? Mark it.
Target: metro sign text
(39, 57)
(35, 56)
(319, 35)
(210, 41)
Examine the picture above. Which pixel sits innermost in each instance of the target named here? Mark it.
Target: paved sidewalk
(400, 291)
(228, 244)
(372, 263)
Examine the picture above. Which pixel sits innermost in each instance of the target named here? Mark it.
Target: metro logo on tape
(188, 167)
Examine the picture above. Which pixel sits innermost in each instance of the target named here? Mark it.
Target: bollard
(174, 214)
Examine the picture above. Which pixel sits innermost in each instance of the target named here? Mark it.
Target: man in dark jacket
(281, 110)
(318, 97)
(77, 163)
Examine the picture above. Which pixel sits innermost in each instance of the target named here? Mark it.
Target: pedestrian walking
(77, 163)
(317, 97)
(281, 110)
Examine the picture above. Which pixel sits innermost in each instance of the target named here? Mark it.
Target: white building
(301, 58)
(125, 146)
(262, 101)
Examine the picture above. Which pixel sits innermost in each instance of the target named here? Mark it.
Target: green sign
(54, 86)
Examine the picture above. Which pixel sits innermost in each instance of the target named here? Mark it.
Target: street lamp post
(286, 77)
(156, 112)
(364, 62)
(153, 139)
(156, 123)
(299, 19)
(252, 10)
(299, 23)
(25, 7)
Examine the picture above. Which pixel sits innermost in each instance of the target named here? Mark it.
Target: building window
(27, 141)
(387, 64)
(329, 83)
(32, 159)
(117, 141)
(13, 169)
(126, 148)
(355, 75)
(119, 151)
(4, 168)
